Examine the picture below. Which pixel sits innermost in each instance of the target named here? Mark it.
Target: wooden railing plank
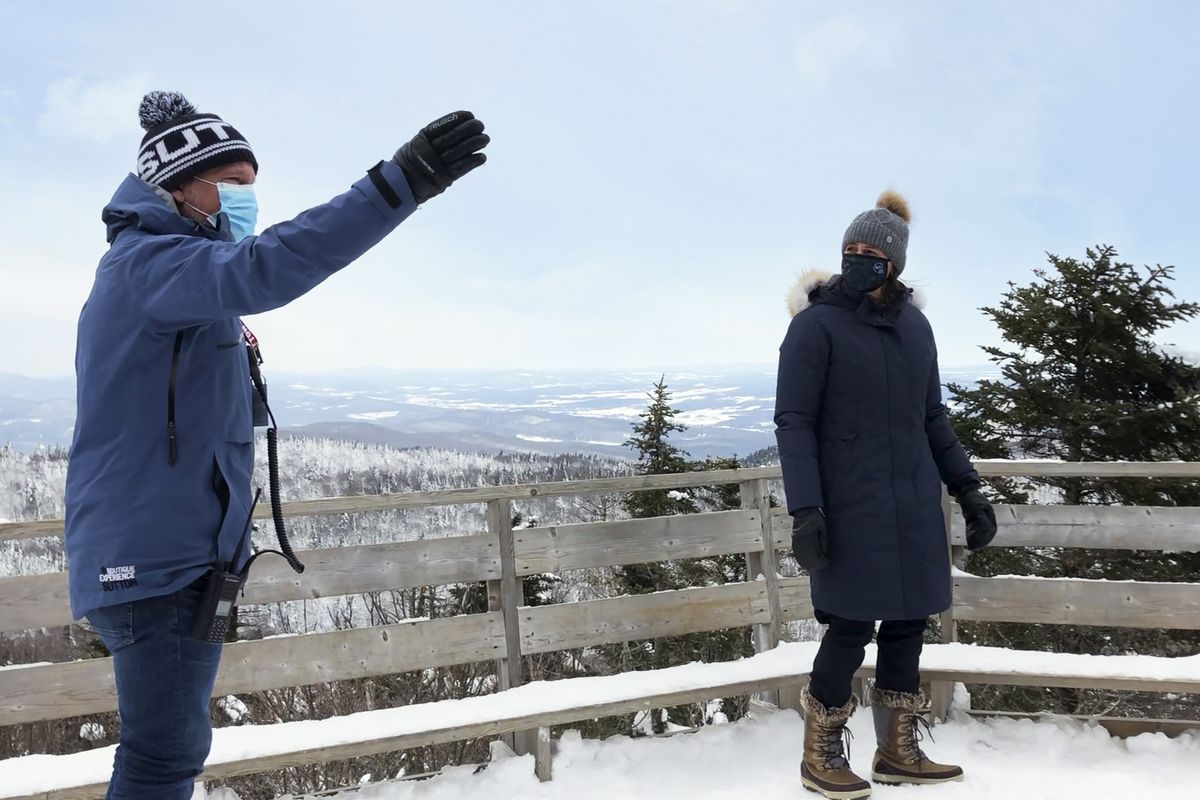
(781, 529)
(1000, 468)
(31, 529)
(1124, 684)
(55, 691)
(1062, 601)
(795, 600)
(34, 601)
(449, 497)
(643, 616)
(40, 601)
(636, 541)
(376, 567)
(1096, 527)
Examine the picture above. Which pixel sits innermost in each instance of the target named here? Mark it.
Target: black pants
(897, 666)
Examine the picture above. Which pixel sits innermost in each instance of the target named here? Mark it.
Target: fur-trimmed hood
(800, 296)
(810, 280)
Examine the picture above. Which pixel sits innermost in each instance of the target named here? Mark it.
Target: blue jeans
(164, 682)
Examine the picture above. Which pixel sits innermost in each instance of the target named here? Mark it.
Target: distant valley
(728, 410)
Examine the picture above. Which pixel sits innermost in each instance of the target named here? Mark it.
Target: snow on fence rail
(257, 748)
(509, 629)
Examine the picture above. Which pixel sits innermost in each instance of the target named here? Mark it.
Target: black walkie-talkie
(221, 588)
(216, 606)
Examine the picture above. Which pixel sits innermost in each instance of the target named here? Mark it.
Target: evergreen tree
(1084, 379)
(657, 455)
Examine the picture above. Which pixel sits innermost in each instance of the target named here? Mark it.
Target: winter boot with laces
(826, 768)
(899, 759)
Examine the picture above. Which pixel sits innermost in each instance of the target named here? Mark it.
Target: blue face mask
(863, 273)
(240, 206)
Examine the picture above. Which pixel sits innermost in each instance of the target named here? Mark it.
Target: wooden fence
(510, 629)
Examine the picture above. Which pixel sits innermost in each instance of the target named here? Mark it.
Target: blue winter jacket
(863, 434)
(148, 511)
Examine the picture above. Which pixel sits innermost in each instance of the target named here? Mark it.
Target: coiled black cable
(285, 544)
(276, 504)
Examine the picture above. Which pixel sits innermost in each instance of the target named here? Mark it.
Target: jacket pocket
(113, 624)
(221, 488)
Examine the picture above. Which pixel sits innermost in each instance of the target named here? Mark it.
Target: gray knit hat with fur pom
(884, 227)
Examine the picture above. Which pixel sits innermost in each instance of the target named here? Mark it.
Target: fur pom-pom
(895, 203)
(160, 107)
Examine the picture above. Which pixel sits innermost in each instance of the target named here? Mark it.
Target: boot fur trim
(817, 712)
(888, 698)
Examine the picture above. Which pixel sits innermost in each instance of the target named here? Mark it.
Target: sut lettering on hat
(181, 143)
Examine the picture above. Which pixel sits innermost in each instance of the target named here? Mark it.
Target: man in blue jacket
(158, 487)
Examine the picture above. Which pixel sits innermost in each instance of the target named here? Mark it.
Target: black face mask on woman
(864, 273)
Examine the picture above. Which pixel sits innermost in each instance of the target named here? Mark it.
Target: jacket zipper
(172, 444)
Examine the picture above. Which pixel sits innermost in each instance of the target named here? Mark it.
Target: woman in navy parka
(866, 447)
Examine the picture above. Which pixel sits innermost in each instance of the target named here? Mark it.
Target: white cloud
(98, 112)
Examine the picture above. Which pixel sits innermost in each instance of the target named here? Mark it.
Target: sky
(659, 174)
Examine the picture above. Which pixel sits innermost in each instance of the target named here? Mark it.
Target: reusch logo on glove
(446, 120)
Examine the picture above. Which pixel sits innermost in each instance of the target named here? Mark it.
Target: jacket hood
(812, 282)
(137, 204)
(799, 298)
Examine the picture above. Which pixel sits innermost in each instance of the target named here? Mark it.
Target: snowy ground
(759, 759)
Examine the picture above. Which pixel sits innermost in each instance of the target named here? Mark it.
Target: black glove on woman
(980, 518)
(810, 540)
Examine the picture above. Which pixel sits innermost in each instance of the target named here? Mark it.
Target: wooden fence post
(767, 635)
(942, 692)
(507, 595)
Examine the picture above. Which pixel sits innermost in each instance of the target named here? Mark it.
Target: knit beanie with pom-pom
(884, 227)
(181, 143)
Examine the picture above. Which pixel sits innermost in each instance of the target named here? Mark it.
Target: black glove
(810, 541)
(980, 517)
(444, 151)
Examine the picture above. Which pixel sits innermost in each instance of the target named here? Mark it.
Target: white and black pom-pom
(160, 107)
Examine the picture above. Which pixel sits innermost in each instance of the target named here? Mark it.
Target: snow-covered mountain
(728, 410)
